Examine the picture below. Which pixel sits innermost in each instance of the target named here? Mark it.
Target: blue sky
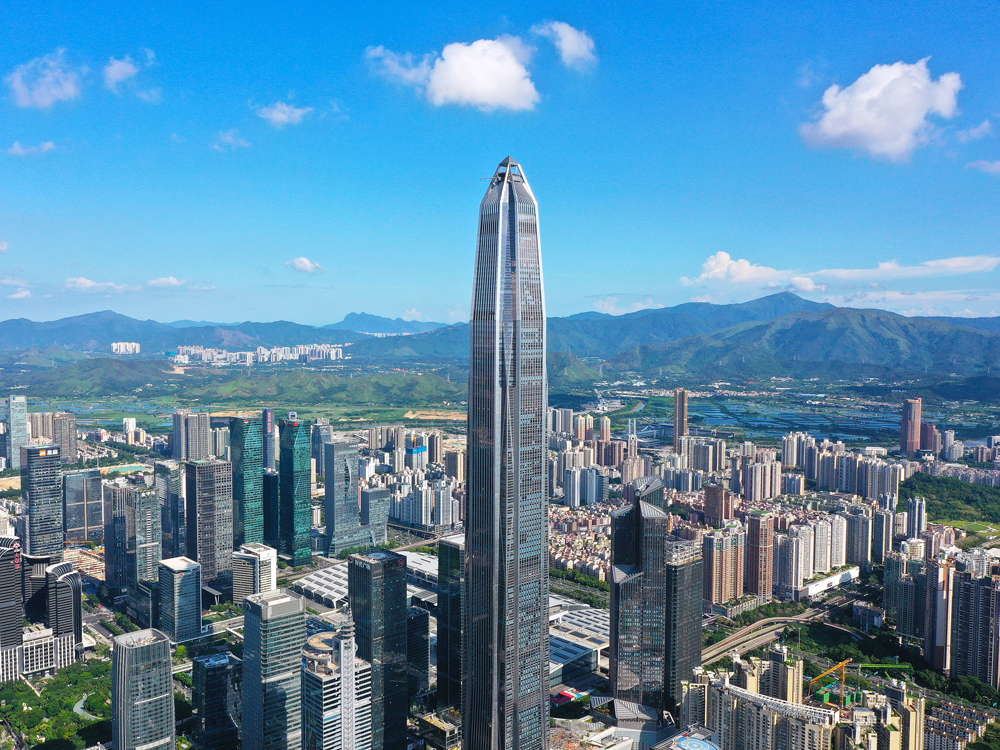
(300, 161)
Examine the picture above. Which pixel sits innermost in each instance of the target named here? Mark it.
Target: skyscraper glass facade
(507, 668)
(295, 489)
(83, 506)
(210, 520)
(246, 446)
(142, 692)
(41, 488)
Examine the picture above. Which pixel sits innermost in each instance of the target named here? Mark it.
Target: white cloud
(4, 247)
(18, 150)
(981, 130)
(576, 48)
(722, 267)
(890, 269)
(804, 284)
(458, 313)
(151, 96)
(44, 81)
(885, 111)
(488, 74)
(304, 265)
(20, 294)
(119, 71)
(701, 298)
(167, 281)
(413, 314)
(989, 167)
(611, 306)
(939, 302)
(81, 284)
(229, 140)
(280, 114)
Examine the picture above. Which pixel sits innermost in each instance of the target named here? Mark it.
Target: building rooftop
(180, 563)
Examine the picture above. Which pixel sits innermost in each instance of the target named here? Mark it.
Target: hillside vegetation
(952, 499)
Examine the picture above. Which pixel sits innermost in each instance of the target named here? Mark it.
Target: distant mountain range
(778, 334)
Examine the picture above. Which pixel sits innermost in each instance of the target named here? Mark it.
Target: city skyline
(787, 182)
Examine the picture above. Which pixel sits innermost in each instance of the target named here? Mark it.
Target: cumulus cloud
(81, 284)
(488, 74)
(4, 247)
(280, 114)
(229, 140)
(44, 81)
(117, 72)
(20, 294)
(304, 265)
(18, 150)
(614, 306)
(981, 130)
(723, 267)
(989, 167)
(890, 269)
(576, 48)
(885, 112)
(804, 284)
(413, 314)
(167, 281)
(935, 302)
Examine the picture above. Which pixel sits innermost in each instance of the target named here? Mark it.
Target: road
(429, 541)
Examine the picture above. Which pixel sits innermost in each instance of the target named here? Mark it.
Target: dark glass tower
(507, 638)
(246, 446)
(83, 517)
(656, 601)
(451, 585)
(272, 508)
(295, 490)
(11, 597)
(41, 488)
(376, 583)
(216, 694)
(343, 524)
(64, 589)
(143, 551)
(115, 540)
(169, 479)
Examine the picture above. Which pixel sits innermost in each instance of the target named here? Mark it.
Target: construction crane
(842, 669)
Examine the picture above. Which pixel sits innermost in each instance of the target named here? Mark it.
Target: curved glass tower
(507, 583)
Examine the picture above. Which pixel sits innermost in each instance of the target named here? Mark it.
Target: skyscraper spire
(507, 586)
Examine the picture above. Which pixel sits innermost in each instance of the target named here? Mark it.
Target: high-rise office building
(64, 435)
(17, 429)
(909, 428)
(143, 551)
(376, 583)
(343, 514)
(209, 496)
(168, 478)
(246, 447)
(142, 692)
(11, 596)
(115, 540)
(375, 514)
(294, 492)
(64, 603)
(680, 417)
(255, 571)
(450, 647)
(656, 602)
(336, 692)
(41, 490)
(506, 700)
(216, 697)
(759, 576)
(83, 506)
(322, 433)
(179, 592)
(274, 632)
(270, 435)
(192, 435)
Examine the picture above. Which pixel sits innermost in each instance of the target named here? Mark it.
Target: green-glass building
(246, 446)
(295, 485)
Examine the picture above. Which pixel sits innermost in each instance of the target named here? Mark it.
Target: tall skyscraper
(64, 435)
(656, 601)
(939, 581)
(115, 540)
(179, 591)
(143, 550)
(322, 433)
(909, 428)
(142, 692)
(246, 446)
(170, 489)
(17, 429)
(255, 571)
(209, 496)
(680, 417)
(507, 701)
(274, 632)
(724, 554)
(759, 576)
(343, 519)
(376, 584)
(916, 517)
(718, 505)
(11, 596)
(975, 642)
(192, 435)
(336, 692)
(418, 652)
(272, 508)
(294, 492)
(64, 603)
(450, 647)
(270, 435)
(83, 506)
(41, 489)
(216, 697)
